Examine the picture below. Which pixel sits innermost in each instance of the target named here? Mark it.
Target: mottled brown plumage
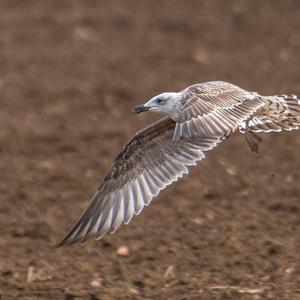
(146, 165)
(214, 108)
(278, 113)
(199, 118)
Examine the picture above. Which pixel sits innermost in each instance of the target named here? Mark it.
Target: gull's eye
(159, 101)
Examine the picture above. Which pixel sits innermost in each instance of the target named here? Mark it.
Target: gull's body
(198, 119)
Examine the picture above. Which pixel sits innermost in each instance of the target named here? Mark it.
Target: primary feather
(144, 167)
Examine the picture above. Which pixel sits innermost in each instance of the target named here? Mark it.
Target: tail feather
(279, 113)
(293, 103)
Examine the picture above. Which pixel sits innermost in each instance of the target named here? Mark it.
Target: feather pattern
(145, 166)
(214, 108)
(200, 117)
(279, 113)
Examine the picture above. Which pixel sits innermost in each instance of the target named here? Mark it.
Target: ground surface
(70, 73)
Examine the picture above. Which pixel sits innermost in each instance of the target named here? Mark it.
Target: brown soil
(70, 73)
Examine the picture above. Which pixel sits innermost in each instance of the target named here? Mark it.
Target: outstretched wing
(145, 166)
(214, 108)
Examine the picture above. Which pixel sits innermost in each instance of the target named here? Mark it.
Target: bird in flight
(197, 120)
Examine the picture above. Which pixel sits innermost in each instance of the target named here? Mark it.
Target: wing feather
(214, 108)
(129, 204)
(144, 167)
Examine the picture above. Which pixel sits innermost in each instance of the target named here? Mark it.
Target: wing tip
(62, 243)
(73, 236)
(66, 241)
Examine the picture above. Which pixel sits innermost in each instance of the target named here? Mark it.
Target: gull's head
(166, 103)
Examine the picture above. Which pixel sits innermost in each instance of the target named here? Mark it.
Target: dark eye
(159, 101)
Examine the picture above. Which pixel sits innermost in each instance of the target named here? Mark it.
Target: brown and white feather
(214, 108)
(144, 167)
(279, 113)
(203, 115)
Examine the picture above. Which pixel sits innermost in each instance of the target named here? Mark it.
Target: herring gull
(198, 119)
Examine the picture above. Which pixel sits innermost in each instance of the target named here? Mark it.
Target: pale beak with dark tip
(140, 108)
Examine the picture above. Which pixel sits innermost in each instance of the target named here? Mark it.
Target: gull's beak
(140, 108)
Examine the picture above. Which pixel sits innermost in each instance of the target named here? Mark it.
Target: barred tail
(279, 113)
(293, 103)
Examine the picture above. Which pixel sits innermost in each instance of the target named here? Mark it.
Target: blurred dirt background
(70, 73)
